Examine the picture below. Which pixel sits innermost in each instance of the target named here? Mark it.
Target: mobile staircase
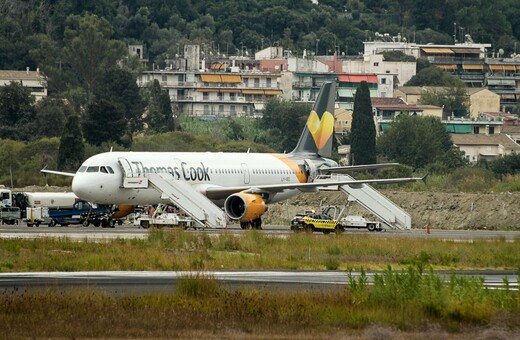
(378, 204)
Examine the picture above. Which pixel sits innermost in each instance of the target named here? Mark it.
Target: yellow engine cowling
(245, 207)
(122, 210)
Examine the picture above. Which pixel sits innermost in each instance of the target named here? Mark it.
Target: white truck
(360, 222)
(161, 217)
(51, 200)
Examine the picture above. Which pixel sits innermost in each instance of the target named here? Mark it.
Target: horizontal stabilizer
(354, 168)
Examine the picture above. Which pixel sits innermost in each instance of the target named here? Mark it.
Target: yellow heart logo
(321, 130)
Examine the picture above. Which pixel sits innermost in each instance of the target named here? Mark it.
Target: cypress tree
(363, 133)
(72, 150)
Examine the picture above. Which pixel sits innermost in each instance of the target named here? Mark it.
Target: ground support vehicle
(161, 217)
(10, 215)
(37, 216)
(360, 222)
(297, 220)
(82, 212)
(321, 222)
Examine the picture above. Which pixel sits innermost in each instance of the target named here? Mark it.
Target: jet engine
(245, 207)
(122, 210)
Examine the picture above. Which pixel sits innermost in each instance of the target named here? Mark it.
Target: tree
(160, 115)
(507, 165)
(103, 122)
(72, 150)
(418, 141)
(89, 49)
(283, 122)
(363, 132)
(434, 76)
(234, 130)
(119, 87)
(17, 112)
(454, 99)
(51, 114)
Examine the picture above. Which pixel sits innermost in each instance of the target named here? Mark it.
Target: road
(77, 232)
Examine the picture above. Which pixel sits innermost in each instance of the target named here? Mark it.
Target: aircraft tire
(257, 224)
(371, 227)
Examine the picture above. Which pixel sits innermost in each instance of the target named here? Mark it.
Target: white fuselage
(100, 177)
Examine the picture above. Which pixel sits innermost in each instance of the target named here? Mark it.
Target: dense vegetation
(94, 103)
(34, 33)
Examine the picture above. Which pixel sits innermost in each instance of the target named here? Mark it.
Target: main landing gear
(253, 224)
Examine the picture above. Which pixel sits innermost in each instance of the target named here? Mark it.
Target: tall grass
(167, 249)
(408, 300)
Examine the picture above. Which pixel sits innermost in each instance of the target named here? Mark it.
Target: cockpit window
(110, 170)
(93, 169)
(103, 170)
(82, 168)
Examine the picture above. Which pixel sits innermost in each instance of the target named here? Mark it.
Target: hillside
(442, 210)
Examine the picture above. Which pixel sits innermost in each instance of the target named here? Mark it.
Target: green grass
(409, 301)
(167, 249)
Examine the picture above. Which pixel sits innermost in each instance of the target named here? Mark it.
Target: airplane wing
(352, 168)
(60, 173)
(223, 192)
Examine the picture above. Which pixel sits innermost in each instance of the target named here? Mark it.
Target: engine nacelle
(245, 207)
(122, 210)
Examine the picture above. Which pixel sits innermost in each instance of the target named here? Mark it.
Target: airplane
(242, 183)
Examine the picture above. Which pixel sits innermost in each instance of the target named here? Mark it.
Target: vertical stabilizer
(318, 131)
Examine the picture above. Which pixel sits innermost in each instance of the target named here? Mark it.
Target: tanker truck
(61, 208)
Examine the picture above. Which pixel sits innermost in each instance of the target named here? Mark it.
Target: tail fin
(318, 132)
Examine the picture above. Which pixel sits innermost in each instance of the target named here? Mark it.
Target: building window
(205, 95)
(476, 130)
(376, 64)
(383, 80)
(206, 109)
(244, 109)
(221, 109)
(232, 96)
(491, 130)
(257, 82)
(268, 82)
(164, 77)
(232, 109)
(220, 95)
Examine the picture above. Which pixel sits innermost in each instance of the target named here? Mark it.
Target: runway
(148, 282)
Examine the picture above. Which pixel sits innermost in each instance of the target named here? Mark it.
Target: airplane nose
(81, 187)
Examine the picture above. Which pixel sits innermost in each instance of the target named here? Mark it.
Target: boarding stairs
(204, 212)
(378, 204)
